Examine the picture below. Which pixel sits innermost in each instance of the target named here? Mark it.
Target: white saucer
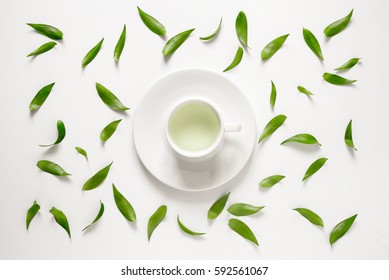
(150, 140)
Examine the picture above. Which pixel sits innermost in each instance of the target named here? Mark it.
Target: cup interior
(194, 128)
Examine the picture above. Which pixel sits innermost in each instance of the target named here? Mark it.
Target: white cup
(195, 129)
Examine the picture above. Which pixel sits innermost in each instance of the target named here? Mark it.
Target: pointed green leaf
(217, 207)
(209, 37)
(348, 65)
(32, 211)
(47, 30)
(348, 136)
(304, 90)
(338, 26)
(273, 95)
(42, 49)
(99, 215)
(123, 205)
(272, 126)
(120, 45)
(52, 168)
(243, 209)
(174, 43)
(186, 230)
(310, 216)
(312, 43)
(97, 179)
(303, 138)
(61, 219)
(151, 23)
(82, 152)
(241, 28)
(271, 48)
(237, 59)
(243, 230)
(41, 97)
(109, 98)
(270, 181)
(92, 54)
(341, 229)
(336, 79)
(61, 134)
(314, 167)
(109, 130)
(156, 219)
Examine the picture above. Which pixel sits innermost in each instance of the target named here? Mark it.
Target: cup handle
(232, 127)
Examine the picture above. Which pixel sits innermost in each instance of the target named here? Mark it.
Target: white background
(350, 182)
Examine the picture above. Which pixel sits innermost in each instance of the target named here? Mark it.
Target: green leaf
(303, 138)
(92, 54)
(270, 181)
(310, 216)
(42, 49)
(156, 219)
(348, 136)
(174, 43)
(109, 98)
(61, 219)
(109, 130)
(186, 230)
(61, 134)
(338, 26)
(217, 207)
(123, 205)
(41, 97)
(82, 152)
(312, 43)
(52, 168)
(151, 23)
(209, 37)
(314, 167)
(270, 49)
(120, 45)
(243, 230)
(47, 30)
(237, 59)
(97, 179)
(341, 229)
(336, 79)
(243, 209)
(348, 65)
(31, 213)
(304, 90)
(272, 126)
(99, 215)
(241, 28)
(273, 95)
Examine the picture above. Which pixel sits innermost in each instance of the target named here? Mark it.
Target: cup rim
(201, 153)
